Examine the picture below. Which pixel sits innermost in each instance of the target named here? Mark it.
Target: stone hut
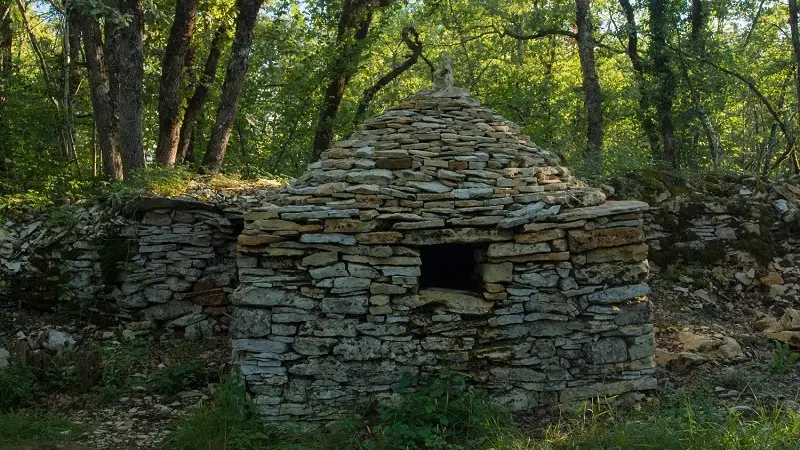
(438, 237)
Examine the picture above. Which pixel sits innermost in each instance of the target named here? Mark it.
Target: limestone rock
(790, 320)
(57, 341)
(4, 357)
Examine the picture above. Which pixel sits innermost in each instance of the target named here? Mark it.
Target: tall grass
(443, 414)
(229, 421)
(23, 431)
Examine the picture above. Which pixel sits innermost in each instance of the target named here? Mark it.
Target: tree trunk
(131, 82)
(6, 39)
(355, 19)
(103, 112)
(68, 71)
(74, 28)
(111, 39)
(593, 95)
(644, 111)
(195, 105)
(796, 48)
(169, 100)
(660, 25)
(232, 87)
(697, 40)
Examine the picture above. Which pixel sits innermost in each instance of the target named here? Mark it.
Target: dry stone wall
(726, 242)
(161, 261)
(745, 230)
(346, 277)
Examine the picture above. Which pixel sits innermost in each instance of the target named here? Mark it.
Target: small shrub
(18, 431)
(16, 387)
(173, 379)
(107, 370)
(783, 359)
(441, 414)
(230, 421)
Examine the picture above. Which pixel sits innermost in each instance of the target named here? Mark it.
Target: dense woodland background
(94, 90)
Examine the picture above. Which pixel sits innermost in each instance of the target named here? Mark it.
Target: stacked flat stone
(743, 218)
(166, 260)
(329, 309)
(183, 267)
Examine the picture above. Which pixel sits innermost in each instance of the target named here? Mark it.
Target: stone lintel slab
(610, 208)
(456, 236)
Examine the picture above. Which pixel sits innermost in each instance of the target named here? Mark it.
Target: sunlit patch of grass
(692, 426)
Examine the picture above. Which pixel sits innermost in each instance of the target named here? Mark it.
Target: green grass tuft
(22, 431)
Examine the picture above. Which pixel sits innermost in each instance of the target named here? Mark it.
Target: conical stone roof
(440, 158)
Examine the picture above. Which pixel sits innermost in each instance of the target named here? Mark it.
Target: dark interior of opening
(449, 266)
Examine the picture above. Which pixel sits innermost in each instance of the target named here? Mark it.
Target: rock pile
(786, 329)
(739, 234)
(438, 237)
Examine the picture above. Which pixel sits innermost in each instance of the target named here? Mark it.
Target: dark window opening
(449, 266)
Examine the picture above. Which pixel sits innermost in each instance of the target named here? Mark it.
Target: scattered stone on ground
(4, 356)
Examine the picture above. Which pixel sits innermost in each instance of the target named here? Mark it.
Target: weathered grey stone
(634, 313)
(547, 255)
(430, 186)
(403, 271)
(628, 253)
(329, 238)
(158, 294)
(358, 349)
(512, 249)
(607, 350)
(538, 279)
(458, 302)
(170, 310)
(57, 341)
(4, 357)
(345, 305)
(362, 271)
(345, 285)
(186, 320)
(618, 294)
(496, 273)
(258, 345)
(264, 297)
(250, 323)
(320, 259)
(455, 235)
(156, 218)
(334, 270)
(385, 288)
(583, 240)
(373, 176)
(481, 192)
(312, 346)
(606, 209)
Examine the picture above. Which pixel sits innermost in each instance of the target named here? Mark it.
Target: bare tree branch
(411, 39)
(539, 34)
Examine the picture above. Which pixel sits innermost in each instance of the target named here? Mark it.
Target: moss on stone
(762, 249)
(713, 252)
